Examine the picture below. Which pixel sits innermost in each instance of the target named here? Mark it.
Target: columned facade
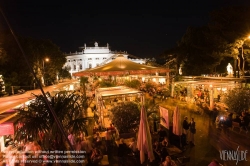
(91, 57)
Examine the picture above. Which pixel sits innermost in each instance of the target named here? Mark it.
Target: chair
(104, 161)
(183, 160)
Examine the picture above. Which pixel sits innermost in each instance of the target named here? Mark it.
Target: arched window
(90, 65)
(74, 67)
(80, 66)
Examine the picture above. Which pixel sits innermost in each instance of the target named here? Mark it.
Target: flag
(164, 117)
(144, 141)
(177, 127)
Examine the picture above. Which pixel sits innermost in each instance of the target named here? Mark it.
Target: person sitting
(133, 146)
(157, 152)
(95, 129)
(163, 151)
(214, 162)
(97, 140)
(108, 139)
(86, 146)
(95, 157)
(78, 145)
(165, 142)
(162, 134)
(111, 127)
(168, 162)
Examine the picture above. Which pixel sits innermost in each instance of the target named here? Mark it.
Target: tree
(195, 53)
(106, 83)
(64, 73)
(83, 81)
(232, 25)
(133, 84)
(238, 100)
(203, 49)
(126, 116)
(36, 50)
(37, 118)
(2, 55)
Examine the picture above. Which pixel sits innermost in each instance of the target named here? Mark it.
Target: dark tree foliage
(232, 25)
(133, 84)
(126, 116)
(64, 73)
(37, 118)
(238, 100)
(202, 50)
(36, 50)
(199, 55)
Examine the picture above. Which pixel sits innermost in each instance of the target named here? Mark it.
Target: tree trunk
(243, 61)
(239, 68)
(235, 66)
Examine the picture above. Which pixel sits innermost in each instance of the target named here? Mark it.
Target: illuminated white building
(91, 57)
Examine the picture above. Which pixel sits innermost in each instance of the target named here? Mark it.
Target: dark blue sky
(144, 29)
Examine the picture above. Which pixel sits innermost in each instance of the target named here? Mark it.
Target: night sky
(142, 28)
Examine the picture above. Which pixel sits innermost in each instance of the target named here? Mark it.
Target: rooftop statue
(229, 70)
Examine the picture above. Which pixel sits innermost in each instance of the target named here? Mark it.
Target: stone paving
(209, 141)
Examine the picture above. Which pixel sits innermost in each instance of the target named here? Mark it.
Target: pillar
(211, 97)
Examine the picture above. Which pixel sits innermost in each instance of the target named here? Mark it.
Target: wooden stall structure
(106, 98)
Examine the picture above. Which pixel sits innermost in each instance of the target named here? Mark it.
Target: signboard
(6, 129)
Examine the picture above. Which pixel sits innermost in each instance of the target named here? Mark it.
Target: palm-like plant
(37, 118)
(83, 81)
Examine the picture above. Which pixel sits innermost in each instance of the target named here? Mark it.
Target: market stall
(106, 98)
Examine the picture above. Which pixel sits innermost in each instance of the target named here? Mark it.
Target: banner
(6, 129)
(164, 121)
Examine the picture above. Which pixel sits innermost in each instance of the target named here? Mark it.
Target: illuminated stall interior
(205, 91)
(106, 98)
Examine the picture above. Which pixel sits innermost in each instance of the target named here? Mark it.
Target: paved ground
(209, 141)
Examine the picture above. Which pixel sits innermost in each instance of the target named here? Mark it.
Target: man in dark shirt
(185, 126)
(122, 151)
(244, 121)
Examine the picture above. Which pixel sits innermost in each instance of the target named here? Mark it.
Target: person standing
(192, 131)
(185, 127)
(168, 162)
(122, 151)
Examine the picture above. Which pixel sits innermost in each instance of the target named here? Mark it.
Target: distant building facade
(91, 57)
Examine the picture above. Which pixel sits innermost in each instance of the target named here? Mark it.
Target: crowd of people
(227, 121)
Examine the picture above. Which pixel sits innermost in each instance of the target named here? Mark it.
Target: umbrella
(177, 127)
(121, 66)
(144, 141)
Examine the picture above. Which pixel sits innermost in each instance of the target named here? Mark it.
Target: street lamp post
(43, 74)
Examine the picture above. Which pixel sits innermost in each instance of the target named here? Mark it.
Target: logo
(234, 155)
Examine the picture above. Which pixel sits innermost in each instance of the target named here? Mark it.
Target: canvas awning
(121, 66)
(113, 92)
